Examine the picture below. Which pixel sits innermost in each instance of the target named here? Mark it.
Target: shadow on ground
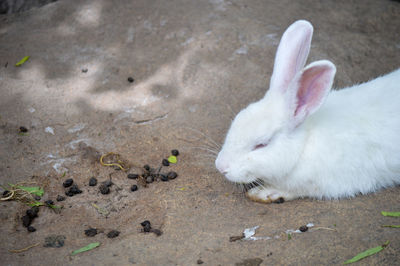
(195, 64)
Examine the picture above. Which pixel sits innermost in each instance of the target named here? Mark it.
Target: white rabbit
(298, 142)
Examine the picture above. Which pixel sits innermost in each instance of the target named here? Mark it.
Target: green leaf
(33, 190)
(63, 175)
(36, 203)
(23, 60)
(391, 214)
(393, 226)
(86, 248)
(367, 253)
(289, 236)
(172, 159)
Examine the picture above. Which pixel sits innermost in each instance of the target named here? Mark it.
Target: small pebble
(26, 220)
(149, 179)
(164, 178)
(92, 181)
(31, 229)
(165, 162)
(175, 152)
(303, 228)
(49, 202)
(91, 232)
(60, 198)
(146, 167)
(23, 129)
(130, 79)
(104, 189)
(133, 176)
(172, 175)
(68, 182)
(134, 187)
(84, 70)
(199, 261)
(113, 233)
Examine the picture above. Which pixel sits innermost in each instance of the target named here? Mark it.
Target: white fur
(317, 145)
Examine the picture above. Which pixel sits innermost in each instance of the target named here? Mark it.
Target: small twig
(23, 249)
(118, 164)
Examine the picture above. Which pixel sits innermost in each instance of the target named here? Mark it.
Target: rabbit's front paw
(268, 195)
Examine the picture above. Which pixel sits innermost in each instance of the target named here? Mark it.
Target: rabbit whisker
(211, 142)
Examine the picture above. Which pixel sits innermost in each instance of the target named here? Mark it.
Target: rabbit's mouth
(256, 183)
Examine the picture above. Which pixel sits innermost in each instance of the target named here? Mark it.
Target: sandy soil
(195, 64)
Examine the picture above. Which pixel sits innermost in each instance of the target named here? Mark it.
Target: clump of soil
(54, 241)
(113, 234)
(91, 232)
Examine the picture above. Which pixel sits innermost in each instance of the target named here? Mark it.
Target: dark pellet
(31, 229)
(172, 175)
(74, 189)
(60, 198)
(134, 187)
(32, 213)
(146, 167)
(113, 233)
(37, 197)
(104, 189)
(108, 183)
(49, 202)
(199, 261)
(144, 223)
(35, 210)
(165, 162)
(5, 193)
(130, 79)
(68, 182)
(303, 228)
(164, 178)
(147, 228)
(175, 152)
(84, 70)
(91, 232)
(23, 129)
(92, 181)
(26, 220)
(133, 176)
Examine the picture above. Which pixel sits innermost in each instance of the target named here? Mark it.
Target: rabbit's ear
(291, 55)
(310, 89)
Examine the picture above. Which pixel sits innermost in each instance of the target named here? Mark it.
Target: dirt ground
(195, 64)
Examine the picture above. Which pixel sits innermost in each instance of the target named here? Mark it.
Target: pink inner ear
(314, 84)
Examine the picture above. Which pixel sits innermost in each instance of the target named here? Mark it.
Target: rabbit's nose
(222, 166)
